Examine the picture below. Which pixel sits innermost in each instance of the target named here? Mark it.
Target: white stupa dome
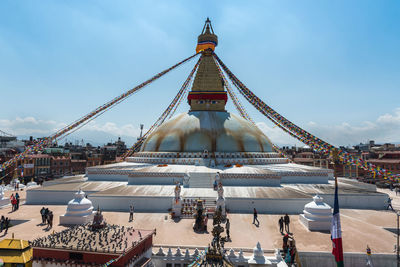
(317, 208)
(79, 210)
(32, 183)
(258, 257)
(214, 131)
(317, 215)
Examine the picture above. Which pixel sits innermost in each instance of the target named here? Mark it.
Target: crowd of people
(289, 249)
(15, 201)
(47, 217)
(284, 221)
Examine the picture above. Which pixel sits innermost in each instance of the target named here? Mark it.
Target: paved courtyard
(360, 227)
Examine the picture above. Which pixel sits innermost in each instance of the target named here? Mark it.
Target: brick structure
(60, 166)
(83, 246)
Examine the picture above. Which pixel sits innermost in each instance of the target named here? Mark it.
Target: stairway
(209, 206)
(201, 179)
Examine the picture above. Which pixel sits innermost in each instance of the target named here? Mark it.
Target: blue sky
(332, 67)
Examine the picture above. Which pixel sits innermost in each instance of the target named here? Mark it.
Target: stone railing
(200, 161)
(216, 155)
(249, 175)
(175, 255)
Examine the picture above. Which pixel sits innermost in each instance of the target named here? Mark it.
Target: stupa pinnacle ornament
(207, 39)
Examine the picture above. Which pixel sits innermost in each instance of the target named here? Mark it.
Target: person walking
(285, 243)
(46, 215)
(2, 222)
(286, 220)
(17, 202)
(205, 221)
(42, 213)
(389, 201)
(131, 209)
(50, 219)
(255, 215)
(281, 225)
(7, 224)
(13, 203)
(227, 228)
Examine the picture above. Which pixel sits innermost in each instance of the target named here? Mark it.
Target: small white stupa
(79, 210)
(220, 201)
(317, 215)
(177, 202)
(3, 200)
(31, 184)
(258, 259)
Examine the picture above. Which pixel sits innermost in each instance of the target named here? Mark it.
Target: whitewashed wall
(141, 204)
(50, 197)
(108, 177)
(250, 182)
(326, 259)
(289, 179)
(154, 180)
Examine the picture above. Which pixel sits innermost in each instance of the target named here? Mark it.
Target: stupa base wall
(154, 180)
(39, 197)
(250, 182)
(315, 225)
(358, 201)
(234, 205)
(304, 179)
(108, 177)
(141, 203)
(73, 220)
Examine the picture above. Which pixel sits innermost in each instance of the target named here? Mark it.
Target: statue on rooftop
(186, 179)
(220, 191)
(177, 191)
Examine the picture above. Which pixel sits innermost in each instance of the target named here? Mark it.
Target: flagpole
(336, 231)
(397, 248)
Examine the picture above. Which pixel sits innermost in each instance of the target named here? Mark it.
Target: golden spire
(208, 88)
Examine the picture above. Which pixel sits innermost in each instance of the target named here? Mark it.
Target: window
(169, 264)
(177, 265)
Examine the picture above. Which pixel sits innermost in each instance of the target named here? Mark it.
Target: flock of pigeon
(110, 239)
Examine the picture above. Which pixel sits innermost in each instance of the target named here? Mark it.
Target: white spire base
(317, 215)
(79, 210)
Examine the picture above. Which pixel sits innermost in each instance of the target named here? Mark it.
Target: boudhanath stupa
(195, 149)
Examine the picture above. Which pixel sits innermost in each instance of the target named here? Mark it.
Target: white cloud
(29, 126)
(113, 129)
(385, 128)
(93, 131)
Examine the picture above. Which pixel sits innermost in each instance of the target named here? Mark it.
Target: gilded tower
(208, 88)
